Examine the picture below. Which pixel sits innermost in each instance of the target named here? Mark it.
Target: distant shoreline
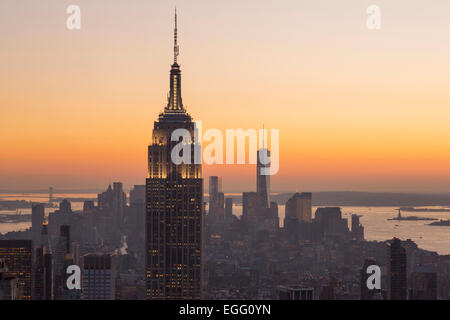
(322, 198)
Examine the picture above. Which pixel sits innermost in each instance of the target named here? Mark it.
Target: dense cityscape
(247, 257)
(165, 241)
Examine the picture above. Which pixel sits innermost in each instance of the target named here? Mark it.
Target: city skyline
(357, 109)
(174, 237)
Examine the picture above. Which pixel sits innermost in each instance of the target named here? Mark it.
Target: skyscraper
(65, 206)
(63, 248)
(217, 207)
(215, 185)
(9, 286)
(252, 211)
(135, 219)
(299, 207)
(42, 284)
(99, 277)
(137, 195)
(397, 271)
(174, 205)
(330, 223)
(17, 255)
(66, 293)
(50, 195)
(113, 201)
(357, 228)
(263, 180)
(43, 271)
(216, 199)
(298, 217)
(119, 202)
(37, 217)
(228, 209)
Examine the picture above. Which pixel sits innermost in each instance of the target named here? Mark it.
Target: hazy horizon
(237, 192)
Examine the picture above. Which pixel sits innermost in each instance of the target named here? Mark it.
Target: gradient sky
(357, 109)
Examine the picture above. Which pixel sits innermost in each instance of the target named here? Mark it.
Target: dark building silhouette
(258, 212)
(298, 216)
(215, 185)
(136, 214)
(272, 220)
(9, 286)
(113, 200)
(50, 195)
(119, 202)
(42, 289)
(75, 249)
(330, 224)
(252, 210)
(263, 180)
(357, 228)
(423, 286)
(218, 207)
(37, 217)
(66, 216)
(137, 195)
(229, 209)
(105, 199)
(216, 200)
(174, 205)
(88, 207)
(63, 248)
(135, 224)
(99, 277)
(65, 206)
(256, 216)
(299, 207)
(397, 270)
(43, 270)
(17, 255)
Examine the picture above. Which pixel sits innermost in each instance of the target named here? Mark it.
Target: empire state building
(174, 211)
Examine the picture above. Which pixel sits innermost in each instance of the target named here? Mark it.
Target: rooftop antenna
(176, 49)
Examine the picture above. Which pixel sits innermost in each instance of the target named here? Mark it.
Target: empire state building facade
(174, 210)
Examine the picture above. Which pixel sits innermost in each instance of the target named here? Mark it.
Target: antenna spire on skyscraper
(176, 49)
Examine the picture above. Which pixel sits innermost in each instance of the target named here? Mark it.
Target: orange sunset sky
(357, 109)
